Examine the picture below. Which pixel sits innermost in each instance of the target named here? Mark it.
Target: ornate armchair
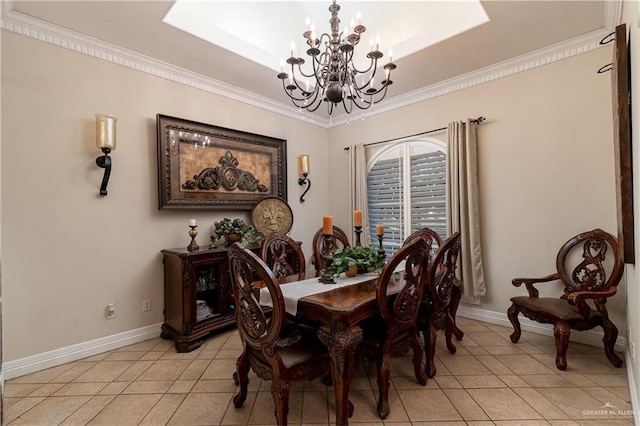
(272, 350)
(320, 246)
(582, 305)
(435, 313)
(283, 255)
(394, 332)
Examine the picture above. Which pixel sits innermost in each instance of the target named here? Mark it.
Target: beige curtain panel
(359, 201)
(463, 205)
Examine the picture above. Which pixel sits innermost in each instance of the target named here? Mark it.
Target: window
(406, 188)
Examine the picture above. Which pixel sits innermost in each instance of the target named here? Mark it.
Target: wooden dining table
(337, 309)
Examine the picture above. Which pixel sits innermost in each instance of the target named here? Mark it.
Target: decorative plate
(272, 214)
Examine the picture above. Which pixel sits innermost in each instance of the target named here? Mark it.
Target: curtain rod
(478, 120)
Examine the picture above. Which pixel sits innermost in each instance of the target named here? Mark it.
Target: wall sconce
(105, 141)
(303, 169)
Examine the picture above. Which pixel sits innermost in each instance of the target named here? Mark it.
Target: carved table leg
(341, 339)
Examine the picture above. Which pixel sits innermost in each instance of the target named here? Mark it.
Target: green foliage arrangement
(247, 234)
(366, 258)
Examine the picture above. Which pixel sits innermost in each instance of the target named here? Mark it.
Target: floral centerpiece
(357, 259)
(233, 230)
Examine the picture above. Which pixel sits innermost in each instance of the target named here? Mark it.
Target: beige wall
(70, 252)
(546, 164)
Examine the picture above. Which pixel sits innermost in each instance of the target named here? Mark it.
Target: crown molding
(40, 30)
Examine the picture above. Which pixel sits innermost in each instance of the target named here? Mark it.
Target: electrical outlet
(146, 305)
(110, 311)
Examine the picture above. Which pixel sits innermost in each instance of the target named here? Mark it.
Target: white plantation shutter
(386, 205)
(428, 186)
(407, 194)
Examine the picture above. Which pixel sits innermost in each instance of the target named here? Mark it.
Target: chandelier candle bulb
(192, 222)
(357, 218)
(379, 229)
(327, 225)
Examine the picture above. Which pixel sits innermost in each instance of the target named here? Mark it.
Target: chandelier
(334, 77)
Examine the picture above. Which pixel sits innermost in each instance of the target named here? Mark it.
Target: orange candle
(379, 229)
(357, 218)
(327, 225)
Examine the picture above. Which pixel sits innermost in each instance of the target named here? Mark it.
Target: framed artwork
(205, 166)
(621, 101)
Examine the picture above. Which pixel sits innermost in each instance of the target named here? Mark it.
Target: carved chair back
(400, 312)
(431, 237)
(256, 329)
(590, 269)
(323, 244)
(442, 280)
(283, 255)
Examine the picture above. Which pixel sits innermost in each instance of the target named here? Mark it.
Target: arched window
(406, 189)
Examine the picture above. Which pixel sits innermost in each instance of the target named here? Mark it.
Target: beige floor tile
(77, 389)
(542, 405)
(513, 381)
(464, 365)
(195, 369)
(52, 410)
(546, 381)
(105, 371)
(428, 405)
(488, 376)
(315, 407)
(182, 386)
(573, 401)
(466, 405)
(133, 373)
(125, 356)
(503, 404)
(447, 382)
(162, 412)
(524, 364)
(481, 381)
(201, 409)
(17, 408)
(148, 386)
(126, 410)
(221, 369)
(165, 370)
(240, 415)
(88, 411)
(493, 364)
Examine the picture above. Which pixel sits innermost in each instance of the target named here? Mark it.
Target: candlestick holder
(328, 245)
(192, 233)
(358, 232)
(380, 248)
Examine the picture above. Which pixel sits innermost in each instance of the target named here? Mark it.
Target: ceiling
(514, 29)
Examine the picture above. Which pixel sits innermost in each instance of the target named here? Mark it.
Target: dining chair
(393, 333)
(337, 240)
(434, 242)
(272, 350)
(589, 277)
(434, 310)
(283, 255)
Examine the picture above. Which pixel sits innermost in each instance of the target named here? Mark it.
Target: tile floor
(488, 381)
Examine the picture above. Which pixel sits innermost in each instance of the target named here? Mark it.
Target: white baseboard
(590, 337)
(31, 364)
(633, 390)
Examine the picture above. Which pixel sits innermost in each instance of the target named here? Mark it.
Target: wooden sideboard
(196, 276)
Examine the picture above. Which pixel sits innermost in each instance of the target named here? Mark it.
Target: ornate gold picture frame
(205, 166)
